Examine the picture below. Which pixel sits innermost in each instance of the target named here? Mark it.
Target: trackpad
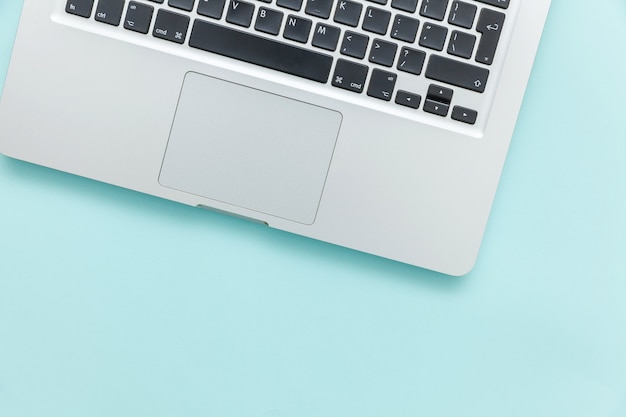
(250, 148)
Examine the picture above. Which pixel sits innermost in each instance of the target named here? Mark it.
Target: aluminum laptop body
(380, 125)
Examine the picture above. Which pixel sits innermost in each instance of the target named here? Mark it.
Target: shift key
(457, 73)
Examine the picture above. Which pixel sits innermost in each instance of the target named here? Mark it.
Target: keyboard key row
(309, 64)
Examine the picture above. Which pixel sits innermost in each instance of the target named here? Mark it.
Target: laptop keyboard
(434, 56)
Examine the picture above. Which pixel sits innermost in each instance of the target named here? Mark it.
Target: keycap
(349, 76)
(457, 73)
(376, 20)
(348, 12)
(268, 21)
(319, 8)
(433, 36)
(490, 25)
(436, 107)
(503, 4)
(405, 5)
(297, 29)
(326, 37)
(462, 14)
(186, 5)
(411, 60)
(435, 9)
(354, 44)
(383, 52)
(264, 52)
(465, 115)
(211, 8)
(110, 11)
(138, 17)
(240, 13)
(382, 84)
(80, 8)
(461, 44)
(439, 93)
(290, 4)
(170, 26)
(408, 99)
(404, 28)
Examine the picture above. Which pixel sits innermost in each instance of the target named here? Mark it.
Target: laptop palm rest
(250, 148)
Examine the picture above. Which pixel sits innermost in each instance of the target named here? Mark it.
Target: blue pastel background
(114, 303)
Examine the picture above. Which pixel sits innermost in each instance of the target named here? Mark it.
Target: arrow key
(436, 107)
(465, 115)
(405, 98)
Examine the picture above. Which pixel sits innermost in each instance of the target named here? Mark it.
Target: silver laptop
(378, 125)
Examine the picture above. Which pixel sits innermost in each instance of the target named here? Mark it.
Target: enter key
(490, 25)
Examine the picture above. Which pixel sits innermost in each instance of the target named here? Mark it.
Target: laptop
(378, 125)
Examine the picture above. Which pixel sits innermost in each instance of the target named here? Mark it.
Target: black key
(461, 44)
(440, 94)
(407, 99)
(171, 26)
(348, 12)
(436, 107)
(297, 29)
(379, 1)
(110, 11)
(433, 36)
(490, 25)
(290, 4)
(260, 51)
(457, 73)
(411, 60)
(319, 8)
(186, 5)
(435, 9)
(404, 28)
(503, 4)
(80, 8)
(268, 21)
(406, 5)
(240, 13)
(211, 8)
(382, 84)
(376, 20)
(157, 1)
(138, 17)
(354, 44)
(383, 52)
(465, 115)
(462, 14)
(350, 76)
(326, 37)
